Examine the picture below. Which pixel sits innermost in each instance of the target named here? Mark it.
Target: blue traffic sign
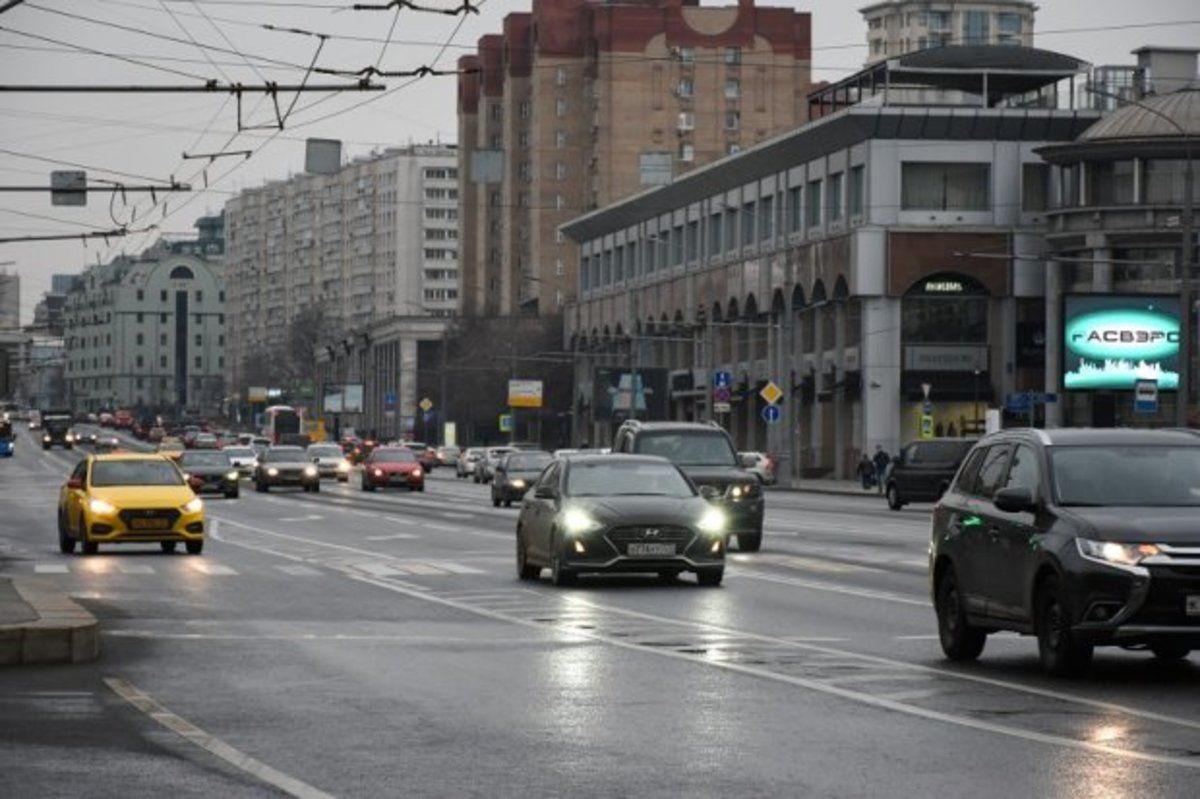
(389, 400)
(722, 379)
(771, 414)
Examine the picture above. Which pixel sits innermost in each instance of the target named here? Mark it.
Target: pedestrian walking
(866, 472)
(882, 461)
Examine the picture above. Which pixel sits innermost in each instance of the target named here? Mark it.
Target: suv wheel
(893, 497)
(1062, 654)
(750, 542)
(961, 641)
(710, 578)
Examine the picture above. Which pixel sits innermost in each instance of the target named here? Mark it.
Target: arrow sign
(772, 414)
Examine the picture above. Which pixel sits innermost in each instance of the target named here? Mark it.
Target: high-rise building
(62, 283)
(374, 240)
(577, 103)
(895, 27)
(10, 300)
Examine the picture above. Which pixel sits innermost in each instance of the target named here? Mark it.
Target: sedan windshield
(193, 459)
(689, 449)
(240, 452)
(1127, 476)
(533, 462)
(625, 478)
(285, 455)
(393, 455)
(328, 451)
(135, 473)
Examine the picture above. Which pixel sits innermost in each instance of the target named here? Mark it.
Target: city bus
(281, 420)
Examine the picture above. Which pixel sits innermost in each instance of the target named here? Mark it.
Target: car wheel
(525, 569)
(1062, 654)
(961, 641)
(710, 578)
(893, 497)
(194, 547)
(508, 503)
(1171, 651)
(560, 575)
(167, 547)
(750, 542)
(495, 502)
(86, 547)
(421, 488)
(231, 494)
(66, 544)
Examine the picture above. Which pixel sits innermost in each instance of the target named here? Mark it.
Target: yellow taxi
(129, 499)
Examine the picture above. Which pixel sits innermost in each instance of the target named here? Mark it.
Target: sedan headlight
(741, 491)
(712, 522)
(1114, 553)
(193, 506)
(518, 483)
(417, 472)
(343, 466)
(272, 472)
(231, 475)
(101, 508)
(577, 521)
(310, 471)
(378, 472)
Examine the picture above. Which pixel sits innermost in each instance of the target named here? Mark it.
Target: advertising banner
(524, 393)
(615, 394)
(342, 398)
(1111, 342)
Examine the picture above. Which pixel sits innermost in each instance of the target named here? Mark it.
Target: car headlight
(272, 472)
(577, 521)
(377, 472)
(741, 491)
(310, 471)
(46, 439)
(68, 437)
(343, 466)
(712, 522)
(1114, 553)
(518, 483)
(231, 475)
(417, 472)
(101, 508)
(193, 506)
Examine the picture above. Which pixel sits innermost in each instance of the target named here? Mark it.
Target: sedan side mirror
(75, 484)
(1015, 500)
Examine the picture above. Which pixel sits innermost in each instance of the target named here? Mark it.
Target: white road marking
(378, 569)
(212, 569)
(423, 569)
(933, 637)
(214, 746)
(392, 537)
(312, 517)
(445, 527)
(836, 588)
(297, 570)
(456, 568)
(134, 568)
(50, 568)
(457, 515)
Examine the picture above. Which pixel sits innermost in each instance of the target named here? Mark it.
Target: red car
(388, 467)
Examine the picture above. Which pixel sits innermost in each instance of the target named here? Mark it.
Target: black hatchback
(1082, 538)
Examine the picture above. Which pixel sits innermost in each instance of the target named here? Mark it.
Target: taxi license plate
(1191, 604)
(650, 550)
(149, 524)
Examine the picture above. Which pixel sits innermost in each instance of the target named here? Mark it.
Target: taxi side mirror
(75, 483)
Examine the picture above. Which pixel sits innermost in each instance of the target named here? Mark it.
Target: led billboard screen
(1110, 342)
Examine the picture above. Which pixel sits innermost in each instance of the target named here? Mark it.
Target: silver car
(330, 460)
(244, 459)
(486, 468)
(467, 462)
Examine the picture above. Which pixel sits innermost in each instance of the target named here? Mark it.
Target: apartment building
(895, 27)
(10, 300)
(377, 239)
(578, 103)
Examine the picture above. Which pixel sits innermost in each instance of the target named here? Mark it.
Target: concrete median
(39, 623)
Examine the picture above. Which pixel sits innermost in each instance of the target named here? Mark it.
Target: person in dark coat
(866, 472)
(882, 461)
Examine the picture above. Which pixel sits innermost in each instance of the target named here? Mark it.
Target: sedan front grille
(649, 532)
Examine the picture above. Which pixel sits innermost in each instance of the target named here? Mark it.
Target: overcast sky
(144, 134)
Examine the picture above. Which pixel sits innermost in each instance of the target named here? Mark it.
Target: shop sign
(1113, 342)
(945, 358)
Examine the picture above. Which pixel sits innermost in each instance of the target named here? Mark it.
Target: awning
(948, 386)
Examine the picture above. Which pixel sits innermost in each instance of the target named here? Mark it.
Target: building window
(686, 88)
(139, 361)
(162, 361)
(938, 186)
(141, 318)
(523, 109)
(857, 178)
(731, 229)
(560, 170)
(1035, 187)
(833, 197)
(141, 339)
(714, 233)
(220, 319)
(162, 295)
(1068, 177)
(687, 152)
(732, 148)
(676, 246)
(1008, 28)
(560, 77)
(199, 296)
(559, 269)
(1165, 180)
(162, 339)
(748, 222)
(687, 55)
(559, 202)
(141, 295)
(795, 209)
(1110, 183)
(733, 88)
(523, 140)
(813, 203)
(691, 248)
(733, 120)
(220, 361)
(560, 139)
(199, 340)
(976, 27)
(687, 120)
(733, 56)
(199, 362)
(560, 108)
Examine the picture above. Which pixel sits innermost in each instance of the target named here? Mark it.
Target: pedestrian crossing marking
(421, 569)
(213, 569)
(296, 570)
(456, 568)
(377, 569)
(50, 568)
(135, 568)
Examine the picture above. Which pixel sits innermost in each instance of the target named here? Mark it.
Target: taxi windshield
(135, 473)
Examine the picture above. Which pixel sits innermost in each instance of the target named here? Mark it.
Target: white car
(243, 459)
(330, 461)
(761, 465)
(467, 462)
(485, 468)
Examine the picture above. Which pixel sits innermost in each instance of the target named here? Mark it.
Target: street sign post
(506, 423)
(772, 414)
(722, 407)
(1145, 396)
(771, 393)
(722, 380)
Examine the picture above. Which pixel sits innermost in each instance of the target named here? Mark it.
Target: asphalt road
(381, 645)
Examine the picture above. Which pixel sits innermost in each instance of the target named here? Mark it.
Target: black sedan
(515, 475)
(210, 471)
(619, 513)
(286, 466)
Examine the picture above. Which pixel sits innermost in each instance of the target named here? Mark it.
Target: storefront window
(945, 309)
(945, 187)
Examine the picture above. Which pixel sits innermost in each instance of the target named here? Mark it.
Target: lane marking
(211, 744)
(817, 585)
(312, 517)
(423, 569)
(134, 568)
(392, 537)
(50, 568)
(378, 569)
(444, 527)
(213, 569)
(456, 568)
(297, 570)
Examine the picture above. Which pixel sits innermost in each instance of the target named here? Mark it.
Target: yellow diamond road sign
(426, 405)
(771, 393)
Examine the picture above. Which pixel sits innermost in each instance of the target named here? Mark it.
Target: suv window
(1023, 472)
(991, 473)
(936, 452)
(965, 484)
(689, 447)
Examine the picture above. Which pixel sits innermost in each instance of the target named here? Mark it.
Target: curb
(64, 632)
(831, 492)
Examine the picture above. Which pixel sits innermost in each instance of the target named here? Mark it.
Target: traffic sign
(927, 406)
(506, 423)
(1145, 396)
(771, 393)
(722, 379)
(426, 405)
(771, 414)
(722, 407)
(722, 394)
(389, 400)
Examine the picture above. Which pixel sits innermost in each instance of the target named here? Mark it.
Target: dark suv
(923, 470)
(705, 453)
(1083, 538)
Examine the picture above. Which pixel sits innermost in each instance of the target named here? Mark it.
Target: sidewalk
(828, 486)
(41, 624)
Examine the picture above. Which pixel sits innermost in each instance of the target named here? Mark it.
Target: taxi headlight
(712, 522)
(272, 472)
(101, 508)
(193, 506)
(231, 475)
(576, 521)
(310, 471)
(1114, 553)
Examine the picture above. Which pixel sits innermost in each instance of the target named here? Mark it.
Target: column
(840, 411)
(1054, 333)
(880, 357)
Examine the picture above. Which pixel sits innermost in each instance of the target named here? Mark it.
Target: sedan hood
(616, 511)
(1135, 525)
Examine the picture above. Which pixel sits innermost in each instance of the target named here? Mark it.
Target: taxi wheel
(167, 546)
(86, 547)
(194, 547)
(66, 544)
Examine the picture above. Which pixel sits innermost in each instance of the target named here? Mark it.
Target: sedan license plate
(149, 524)
(650, 550)
(1191, 604)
